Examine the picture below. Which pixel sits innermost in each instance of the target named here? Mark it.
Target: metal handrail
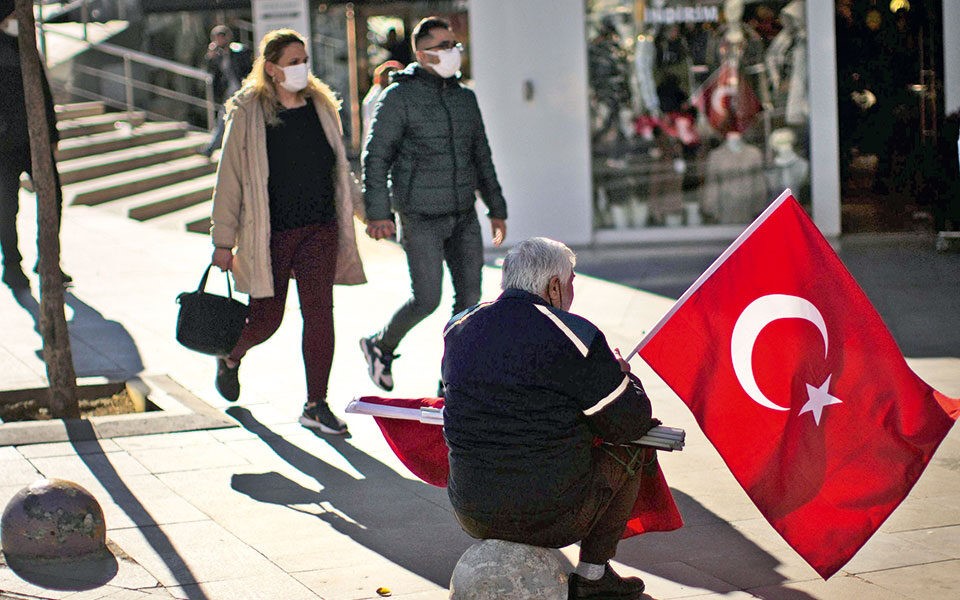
(153, 61)
(130, 56)
(141, 85)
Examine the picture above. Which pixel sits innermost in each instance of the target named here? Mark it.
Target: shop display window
(699, 110)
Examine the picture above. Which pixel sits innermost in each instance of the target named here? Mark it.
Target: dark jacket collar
(517, 294)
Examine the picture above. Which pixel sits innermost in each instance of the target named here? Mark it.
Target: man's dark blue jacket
(528, 388)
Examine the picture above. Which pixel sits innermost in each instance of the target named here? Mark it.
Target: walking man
(15, 148)
(426, 158)
(229, 62)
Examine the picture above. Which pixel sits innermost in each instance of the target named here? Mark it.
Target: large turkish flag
(796, 381)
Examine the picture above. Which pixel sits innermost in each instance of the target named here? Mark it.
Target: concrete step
(75, 110)
(118, 139)
(157, 203)
(107, 163)
(195, 218)
(119, 185)
(72, 128)
(201, 225)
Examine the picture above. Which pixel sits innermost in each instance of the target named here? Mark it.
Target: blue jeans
(216, 134)
(429, 240)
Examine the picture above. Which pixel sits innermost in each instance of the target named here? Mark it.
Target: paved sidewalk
(266, 509)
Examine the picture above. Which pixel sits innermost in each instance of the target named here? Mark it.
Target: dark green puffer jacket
(427, 153)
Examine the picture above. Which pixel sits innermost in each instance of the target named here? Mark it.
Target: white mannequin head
(733, 12)
(782, 141)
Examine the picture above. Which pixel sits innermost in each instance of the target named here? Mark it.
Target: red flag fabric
(422, 449)
(419, 446)
(795, 379)
(727, 99)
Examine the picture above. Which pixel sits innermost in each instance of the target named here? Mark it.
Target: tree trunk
(53, 323)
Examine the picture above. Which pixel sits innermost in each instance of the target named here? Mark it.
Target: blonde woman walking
(283, 207)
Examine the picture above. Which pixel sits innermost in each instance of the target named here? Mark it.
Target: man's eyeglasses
(448, 45)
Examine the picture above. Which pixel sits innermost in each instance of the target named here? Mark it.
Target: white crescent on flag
(757, 315)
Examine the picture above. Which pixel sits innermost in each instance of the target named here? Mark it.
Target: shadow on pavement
(101, 468)
(100, 347)
(707, 545)
(384, 511)
(67, 574)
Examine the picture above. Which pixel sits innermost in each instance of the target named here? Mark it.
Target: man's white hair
(531, 264)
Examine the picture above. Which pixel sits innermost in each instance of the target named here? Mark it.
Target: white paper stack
(660, 437)
(664, 438)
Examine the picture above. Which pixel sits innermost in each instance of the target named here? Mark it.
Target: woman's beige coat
(241, 206)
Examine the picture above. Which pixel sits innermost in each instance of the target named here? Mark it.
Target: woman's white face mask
(295, 77)
(449, 61)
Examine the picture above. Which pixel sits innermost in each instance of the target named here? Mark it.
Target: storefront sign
(279, 14)
(669, 15)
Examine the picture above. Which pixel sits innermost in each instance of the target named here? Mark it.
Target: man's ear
(553, 291)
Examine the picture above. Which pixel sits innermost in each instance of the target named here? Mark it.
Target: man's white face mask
(449, 61)
(295, 77)
(11, 28)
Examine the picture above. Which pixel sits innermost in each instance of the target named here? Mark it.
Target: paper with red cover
(795, 379)
(422, 449)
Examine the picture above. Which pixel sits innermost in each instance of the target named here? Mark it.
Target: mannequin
(788, 169)
(735, 190)
(788, 52)
(728, 100)
(735, 40)
(610, 75)
(739, 48)
(644, 59)
(665, 192)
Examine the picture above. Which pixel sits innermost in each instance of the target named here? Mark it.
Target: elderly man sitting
(529, 387)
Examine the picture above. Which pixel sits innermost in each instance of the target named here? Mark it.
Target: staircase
(147, 170)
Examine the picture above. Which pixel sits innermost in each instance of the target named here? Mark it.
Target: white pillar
(824, 121)
(529, 61)
(951, 56)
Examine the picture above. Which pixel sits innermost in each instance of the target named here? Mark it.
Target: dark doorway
(890, 82)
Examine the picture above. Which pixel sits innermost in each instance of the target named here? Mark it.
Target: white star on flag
(819, 398)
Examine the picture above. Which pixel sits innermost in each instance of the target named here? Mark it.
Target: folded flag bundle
(413, 428)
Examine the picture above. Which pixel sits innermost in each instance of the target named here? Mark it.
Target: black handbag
(210, 323)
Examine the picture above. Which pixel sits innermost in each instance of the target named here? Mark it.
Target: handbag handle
(203, 281)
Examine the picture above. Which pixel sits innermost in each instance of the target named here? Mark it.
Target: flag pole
(711, 269)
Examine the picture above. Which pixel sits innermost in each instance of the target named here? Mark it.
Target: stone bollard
(499, 570)
(52, 518)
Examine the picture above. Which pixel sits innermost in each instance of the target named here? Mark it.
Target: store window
(699, 111)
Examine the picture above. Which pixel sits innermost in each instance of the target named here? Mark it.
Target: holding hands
(380, 229)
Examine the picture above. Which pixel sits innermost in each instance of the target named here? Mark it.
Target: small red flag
(795, 379)
(727, 99)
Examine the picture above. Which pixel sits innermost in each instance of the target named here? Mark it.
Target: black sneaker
(14, 278)
(319, 416)
(228, 380)
(609, 587)
(378, 363)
